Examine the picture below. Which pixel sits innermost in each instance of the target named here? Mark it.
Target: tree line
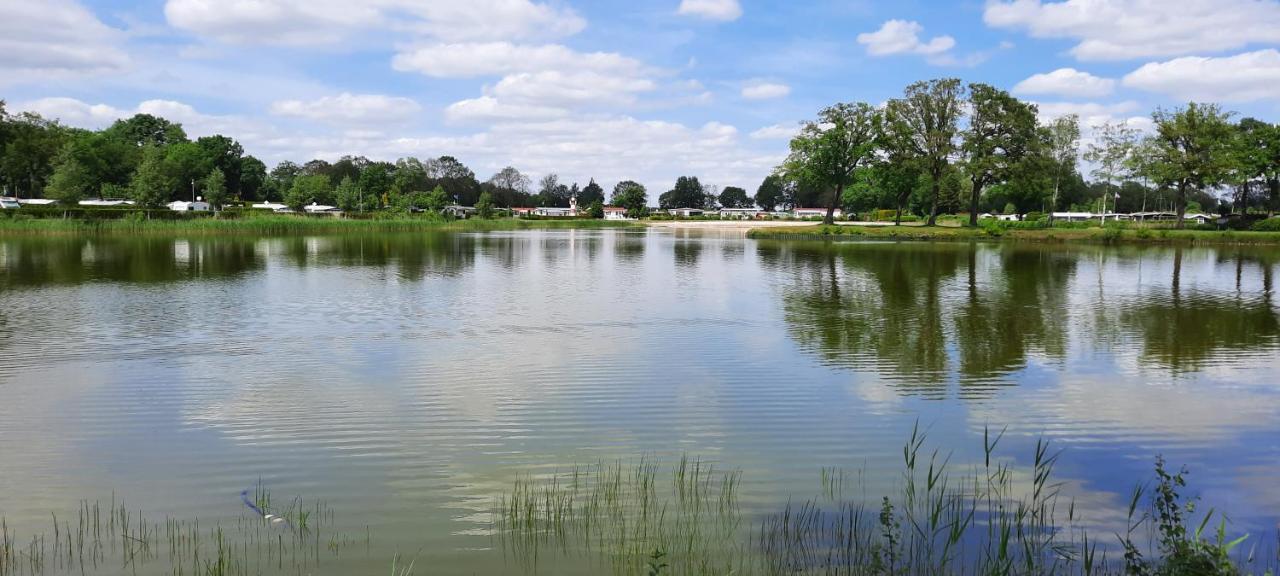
(948, 147)
(942, 147)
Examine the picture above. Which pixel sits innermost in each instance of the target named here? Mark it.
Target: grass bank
(276, 225)
(1108, 235)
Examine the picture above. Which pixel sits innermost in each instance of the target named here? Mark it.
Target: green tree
(215, 188)
(484, 205)
(153, 183)
(437, 199)
(143, 130)
(376, 180)
(1001, 132)
(253, 179)
(769, 193)
(734, 197)
(72, 181)
(32, 144)
(687, 193)
(308, 189)
(922, 126)
(596, 209)
(591, 194)
(347, 195)
(1062, 144)
(1111, 153)
(828, 151)
(1192, 149)
(632, 196)
(185, 163)
(225, 154)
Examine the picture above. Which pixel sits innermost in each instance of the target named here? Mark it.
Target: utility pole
(193, 189)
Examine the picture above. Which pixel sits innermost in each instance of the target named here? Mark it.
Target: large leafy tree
(922, 126)
(458, 181)
(1192, 149)
(734, 197)
(253, 178)
(375, 181)
(770, 193)
(225, 154)
(591, 194)
(32, 144)
(1001, 133)
(828, 150)
(632, 196)
(687, 193)
(147, 130)
(1258, 158)
(185, 163)
(307, 189)
(510, 187)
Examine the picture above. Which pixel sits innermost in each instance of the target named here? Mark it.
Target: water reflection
(37, 262)
(925, 315)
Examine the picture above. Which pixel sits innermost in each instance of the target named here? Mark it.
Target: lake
(409, 380)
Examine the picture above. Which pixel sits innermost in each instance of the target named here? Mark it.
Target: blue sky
(608, 89)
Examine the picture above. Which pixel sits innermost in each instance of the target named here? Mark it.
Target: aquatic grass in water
(114, 539)
(634, 519)
(995, 520)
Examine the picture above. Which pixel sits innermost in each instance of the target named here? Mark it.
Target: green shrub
(1268, 225)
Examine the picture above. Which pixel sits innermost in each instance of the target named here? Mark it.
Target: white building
(9, 203)
(685, 212)
(816, 212)
(1073, 216)
(615, 213)
(37, 201)
(740, 213)
(314, 208)
(101, 202)
(185, 206)
(274, 206)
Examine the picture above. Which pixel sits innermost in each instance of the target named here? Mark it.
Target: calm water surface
(409, 379)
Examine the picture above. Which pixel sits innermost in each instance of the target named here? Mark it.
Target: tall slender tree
(922, 125)
(1063, 145)
(1001, 132)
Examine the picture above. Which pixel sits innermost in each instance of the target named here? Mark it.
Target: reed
(989, 518)
(113, 538)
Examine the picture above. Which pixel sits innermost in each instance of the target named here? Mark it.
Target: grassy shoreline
(278, 225)
(1095, 235)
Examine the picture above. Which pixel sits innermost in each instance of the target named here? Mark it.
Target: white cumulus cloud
(56, 37)
(722, 10)
(765, 91)
(776, 132)
(903, 37)
(467, 60)
(347, 108)
(1066, 82)
(1127, 29)
(1241, 78)
(317, 22)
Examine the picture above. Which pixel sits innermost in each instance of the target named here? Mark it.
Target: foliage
(922, 126)
(687, 193)
(309, 189)
(734, 197)
(152, 182)
(484, 206)
(215, 188)
(999, 141)
(632, 196)
(770, 193)
(828, 150)
(1191, 149)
